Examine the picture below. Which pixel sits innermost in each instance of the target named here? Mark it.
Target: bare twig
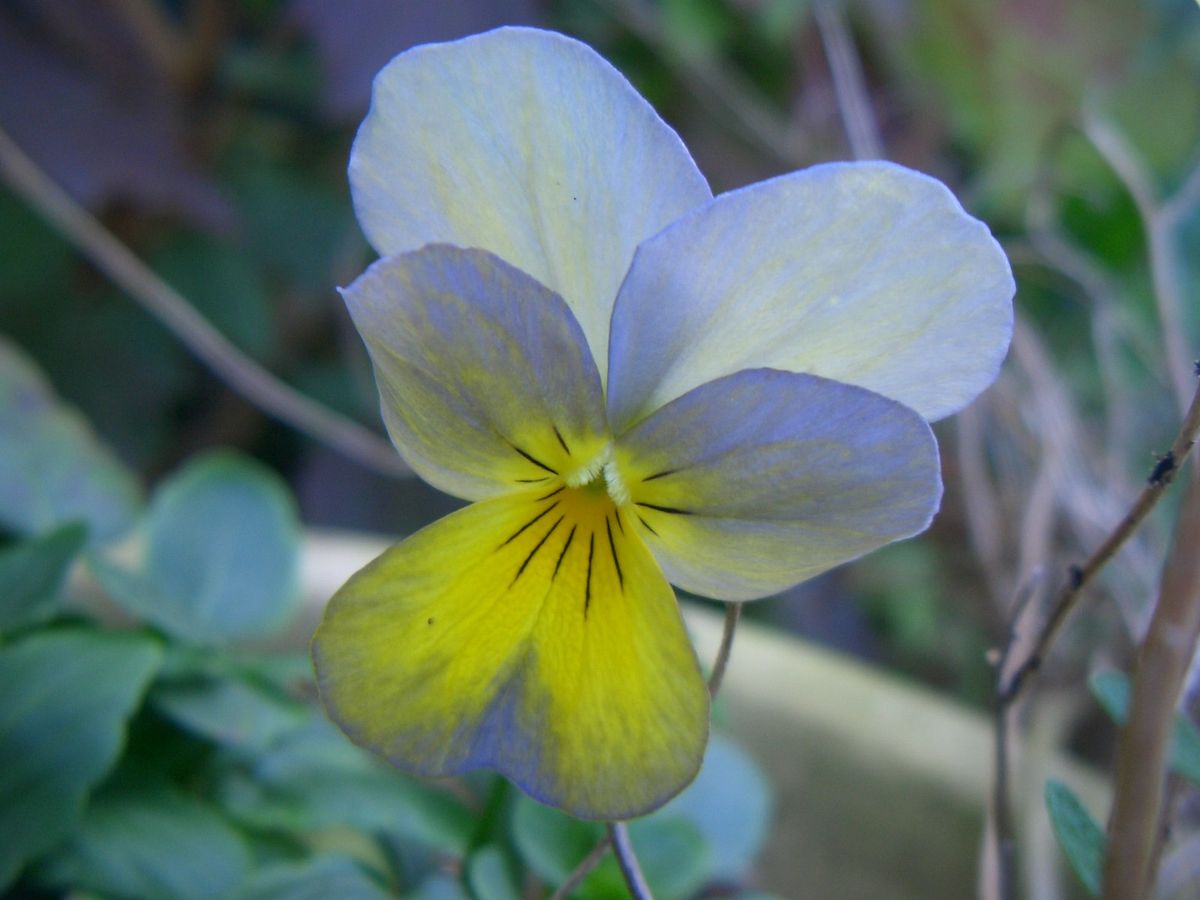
(862, 129)
(1024, 612)
(1080, 576)
(733, 612)
(618, 834)
(584, 869)
(241, 373)
(1162, 664)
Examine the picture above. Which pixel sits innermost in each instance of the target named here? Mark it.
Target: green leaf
(65, 699)
(489, 875)
(730, 804)
(292, 222)
(550, 843)
(674, 856)
(1112, 689)
(222, 554)
(224, 285)
(32, 572)
(315, 778)
(53, 470)
(439, 887)
(1081, 839)
(319, 878)
(229, 711)
(145, 838)
(35, 258)
(672, 852)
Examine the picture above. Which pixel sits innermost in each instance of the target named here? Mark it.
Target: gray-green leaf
(53, 470)
(1081, 839)
(320, 878)
(144, 838)
(229, 711)
(222, 553)
(730, 804)
(32, 572)
(489, 875)
(65, 699)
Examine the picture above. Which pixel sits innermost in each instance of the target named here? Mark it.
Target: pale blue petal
(527, 144)
(761, 479)
(866, 273)
(485, 380)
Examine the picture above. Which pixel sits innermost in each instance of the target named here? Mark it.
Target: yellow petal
(530, 634)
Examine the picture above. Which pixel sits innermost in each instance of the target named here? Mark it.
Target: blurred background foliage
(211, 138)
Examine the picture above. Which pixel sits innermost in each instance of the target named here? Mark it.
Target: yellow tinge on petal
(532, 634)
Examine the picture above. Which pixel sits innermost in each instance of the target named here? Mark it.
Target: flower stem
(618, 835)
(733, 612)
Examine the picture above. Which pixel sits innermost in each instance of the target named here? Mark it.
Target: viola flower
(635, 383)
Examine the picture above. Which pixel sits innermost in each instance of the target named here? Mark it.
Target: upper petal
(528, 144)
(530, 634)
(485, 380)
(759, 480)
(866, 273)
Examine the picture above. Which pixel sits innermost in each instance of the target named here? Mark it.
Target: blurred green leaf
(1081, 839)
(53, 470)
(32, 572)
(229, 711)
(331, 877)
(439, 887)
(1007, 76)
(550, 843)
(222, 282)
(65, 699)
(294, 223)
(730, 804)
(673, 853)
(1112, 688)
(35, 258)
(315, 778)
(695, 27)
(489, 875)
(222, 553)
(291, 78)
(143, 838)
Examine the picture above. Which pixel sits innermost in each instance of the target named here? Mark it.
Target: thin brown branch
(618, 834)
(1162, 665)
(237, 370)
(1080, 576)
(845, 69)
(733, 612)
(584, 869)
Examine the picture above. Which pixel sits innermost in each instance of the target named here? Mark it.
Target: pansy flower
(636, 385)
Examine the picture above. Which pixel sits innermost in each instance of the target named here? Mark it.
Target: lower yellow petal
(534, 635)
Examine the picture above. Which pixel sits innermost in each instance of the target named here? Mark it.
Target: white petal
(527, 144)
(866, 273)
